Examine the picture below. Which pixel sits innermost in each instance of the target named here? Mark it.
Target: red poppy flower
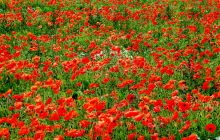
(23, 131)
(141, 137)
(131, 136)
(39, 135)
(84, 123)
(139, 117)
(192, 28)
(183, 106)
(70, 115)
(210, 127)
(74, 133)
(85, 60)
(54, 117)
(59, 137)
(154, 136)
(131, 113)
(130, 97)
(4, 133)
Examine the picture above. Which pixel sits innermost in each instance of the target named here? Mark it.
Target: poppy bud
(75, 96)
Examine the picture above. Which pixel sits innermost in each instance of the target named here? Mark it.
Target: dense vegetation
(116, 69)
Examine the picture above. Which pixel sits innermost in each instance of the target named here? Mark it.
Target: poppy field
(109, 69)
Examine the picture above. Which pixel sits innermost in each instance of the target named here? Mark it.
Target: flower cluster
(116, 69)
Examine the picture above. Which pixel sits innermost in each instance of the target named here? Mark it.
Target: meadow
(109, 69)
